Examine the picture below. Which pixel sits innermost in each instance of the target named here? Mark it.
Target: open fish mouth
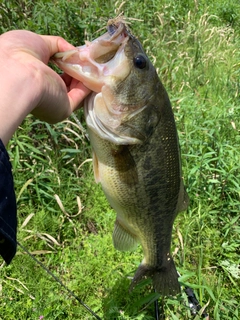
(93, 62)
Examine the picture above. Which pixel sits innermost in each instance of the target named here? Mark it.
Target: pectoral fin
(123, 240)
(95, 168)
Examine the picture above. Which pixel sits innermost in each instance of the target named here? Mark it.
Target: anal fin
(123, 239)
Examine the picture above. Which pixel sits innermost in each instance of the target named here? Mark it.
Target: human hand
(28, 85)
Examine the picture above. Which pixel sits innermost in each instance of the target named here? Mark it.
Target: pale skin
(28, 85)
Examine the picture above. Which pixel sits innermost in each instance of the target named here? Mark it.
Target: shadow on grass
(120, 304)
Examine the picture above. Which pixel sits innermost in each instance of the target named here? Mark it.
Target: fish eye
(140, 61)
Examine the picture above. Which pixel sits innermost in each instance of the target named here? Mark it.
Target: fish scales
(136, 155)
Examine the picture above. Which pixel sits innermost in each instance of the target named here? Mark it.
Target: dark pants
(8, 208)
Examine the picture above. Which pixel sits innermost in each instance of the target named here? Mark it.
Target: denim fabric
(8, 208)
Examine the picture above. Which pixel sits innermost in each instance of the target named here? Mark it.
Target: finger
(77, 95)
(56, 44)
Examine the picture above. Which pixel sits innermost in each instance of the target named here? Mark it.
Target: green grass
(195, 48)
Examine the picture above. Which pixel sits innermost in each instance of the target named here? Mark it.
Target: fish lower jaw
(87, 72)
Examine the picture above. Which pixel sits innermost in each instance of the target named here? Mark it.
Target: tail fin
(165, 279)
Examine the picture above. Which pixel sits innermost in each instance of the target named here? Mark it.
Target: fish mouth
(95, 62)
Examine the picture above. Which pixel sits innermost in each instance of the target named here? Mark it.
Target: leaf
(29, 217)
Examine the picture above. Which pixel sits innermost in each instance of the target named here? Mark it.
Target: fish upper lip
(120, 27)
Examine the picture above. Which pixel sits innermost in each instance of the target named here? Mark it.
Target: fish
(135, 144)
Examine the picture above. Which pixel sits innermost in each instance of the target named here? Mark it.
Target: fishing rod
(59, 281)
(193, 303)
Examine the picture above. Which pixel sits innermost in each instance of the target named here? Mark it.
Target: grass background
(64, 218)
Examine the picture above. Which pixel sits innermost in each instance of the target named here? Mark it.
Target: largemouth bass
(135, 147)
